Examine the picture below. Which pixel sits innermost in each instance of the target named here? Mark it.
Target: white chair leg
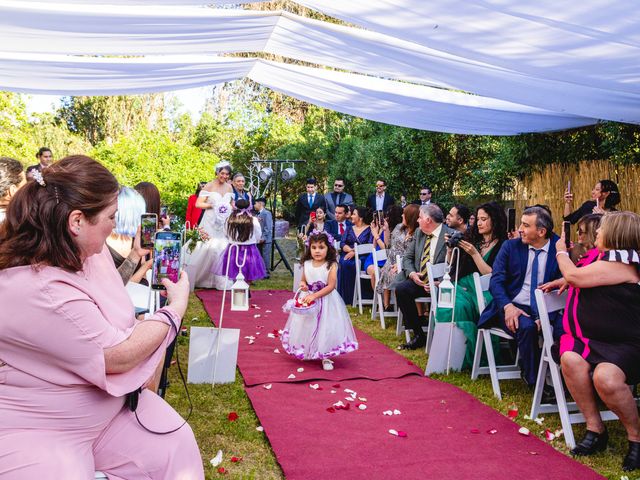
(399, 326)
(380, 305)
(431, 325)
(537, 393)
(563, 410)
(493, 371)
(477, 356)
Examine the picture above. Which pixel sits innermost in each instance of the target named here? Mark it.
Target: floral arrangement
(194, 236)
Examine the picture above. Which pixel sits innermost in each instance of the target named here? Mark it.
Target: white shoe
(327, 364)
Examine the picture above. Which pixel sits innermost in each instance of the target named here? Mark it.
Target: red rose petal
(513, 411)
(475, 430)
(331, 410)
(336, 385)
(409, 363)
(401, 433)
(233, 416)
(222, 470)
(346, 407)
(236, 459)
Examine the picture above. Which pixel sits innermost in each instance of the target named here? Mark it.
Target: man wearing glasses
(337, 197)
(379, 201)
(425, 197)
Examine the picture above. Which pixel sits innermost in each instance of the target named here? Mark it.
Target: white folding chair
(142, 296)
(496, 372)
(549, 303)
(360, 250)
(378, 304)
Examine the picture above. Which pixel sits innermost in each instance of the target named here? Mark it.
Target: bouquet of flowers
(194, 236)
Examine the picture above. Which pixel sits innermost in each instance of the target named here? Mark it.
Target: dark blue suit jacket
(332, 227)
(507, 277)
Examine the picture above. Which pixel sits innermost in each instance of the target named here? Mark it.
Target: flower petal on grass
(236, 459)
(233, 416)
(549, 435)
(222, 471)
(217, 460)
(260, 428)
(512, 413)
(524, 431)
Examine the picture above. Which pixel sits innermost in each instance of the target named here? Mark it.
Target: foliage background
(143, 138)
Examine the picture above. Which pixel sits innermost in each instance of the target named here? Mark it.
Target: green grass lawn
(215, 432)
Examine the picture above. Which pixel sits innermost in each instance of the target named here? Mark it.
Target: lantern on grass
(446, 291)
(240, 294)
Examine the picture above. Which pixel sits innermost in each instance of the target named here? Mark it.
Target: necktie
(341, 228)
(426, 257)
(338, 202)
(534, 284)
(310, 201)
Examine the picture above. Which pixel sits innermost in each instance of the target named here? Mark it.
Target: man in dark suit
(309, 202)
(521, 266)
(380, 200)
(427, 246)
(45, 158)
(425, 197)
(265, 244)
(338, 227)
(337, 197)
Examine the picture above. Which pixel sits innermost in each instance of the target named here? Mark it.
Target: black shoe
(548, 395)
(632, 460)
(414, 344)
(388, 308)
(593, 442)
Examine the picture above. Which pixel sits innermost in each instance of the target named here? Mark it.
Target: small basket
(296, 306)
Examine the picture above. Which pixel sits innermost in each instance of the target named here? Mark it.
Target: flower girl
(319, 326)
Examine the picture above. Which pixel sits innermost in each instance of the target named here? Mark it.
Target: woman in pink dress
(70, 347)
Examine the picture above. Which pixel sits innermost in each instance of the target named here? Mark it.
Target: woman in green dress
(478, 250)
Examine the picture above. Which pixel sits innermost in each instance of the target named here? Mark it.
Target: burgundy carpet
(447, 430)
(259, 364)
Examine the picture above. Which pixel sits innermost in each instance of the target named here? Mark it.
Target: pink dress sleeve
(63, 323)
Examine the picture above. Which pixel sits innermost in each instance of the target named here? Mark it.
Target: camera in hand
(454, 239)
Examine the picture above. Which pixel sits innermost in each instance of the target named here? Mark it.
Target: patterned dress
(399, 242)
(602, 324)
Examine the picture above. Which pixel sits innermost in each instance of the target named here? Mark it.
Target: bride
(216, 200)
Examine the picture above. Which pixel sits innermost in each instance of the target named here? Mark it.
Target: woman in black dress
(604, 197)
(601, 344)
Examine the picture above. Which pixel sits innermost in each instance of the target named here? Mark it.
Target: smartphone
(164, 211)
(148, 228)
(313, 216)
(566, 226)
(167, 261)
(511, 219)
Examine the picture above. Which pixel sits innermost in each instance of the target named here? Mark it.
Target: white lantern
(446, 292)
(240, 294)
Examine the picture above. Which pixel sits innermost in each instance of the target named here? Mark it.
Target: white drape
(104, 30)
(377, 99)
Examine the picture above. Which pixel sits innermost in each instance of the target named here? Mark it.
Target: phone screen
(567, 233)
(164, 211)
(313, 216)
(148, 227)
(511, 219)
(166, 258)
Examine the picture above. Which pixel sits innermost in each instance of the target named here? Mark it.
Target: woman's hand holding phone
(178, 293)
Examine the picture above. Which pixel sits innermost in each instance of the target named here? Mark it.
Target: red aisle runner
(447, 429)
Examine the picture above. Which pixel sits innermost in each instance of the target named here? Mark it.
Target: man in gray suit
(266, 222)
(337, 197)
(427, 246)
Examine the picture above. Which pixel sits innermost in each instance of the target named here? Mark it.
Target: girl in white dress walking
(319, 326)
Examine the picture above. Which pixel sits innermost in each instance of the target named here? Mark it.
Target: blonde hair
(620, 231)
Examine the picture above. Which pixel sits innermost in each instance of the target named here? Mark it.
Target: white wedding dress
(206, 254)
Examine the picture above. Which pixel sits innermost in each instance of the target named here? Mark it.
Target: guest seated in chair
(358, 233)
(601, 346)
(72, 354)
(521, 265)
(381, 229)
(401, 237)
(478, 251)
(428, 245)
(338, 227)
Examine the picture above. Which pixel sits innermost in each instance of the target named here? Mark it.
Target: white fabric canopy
(103, 30)
(530, 67)
(378, 99)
